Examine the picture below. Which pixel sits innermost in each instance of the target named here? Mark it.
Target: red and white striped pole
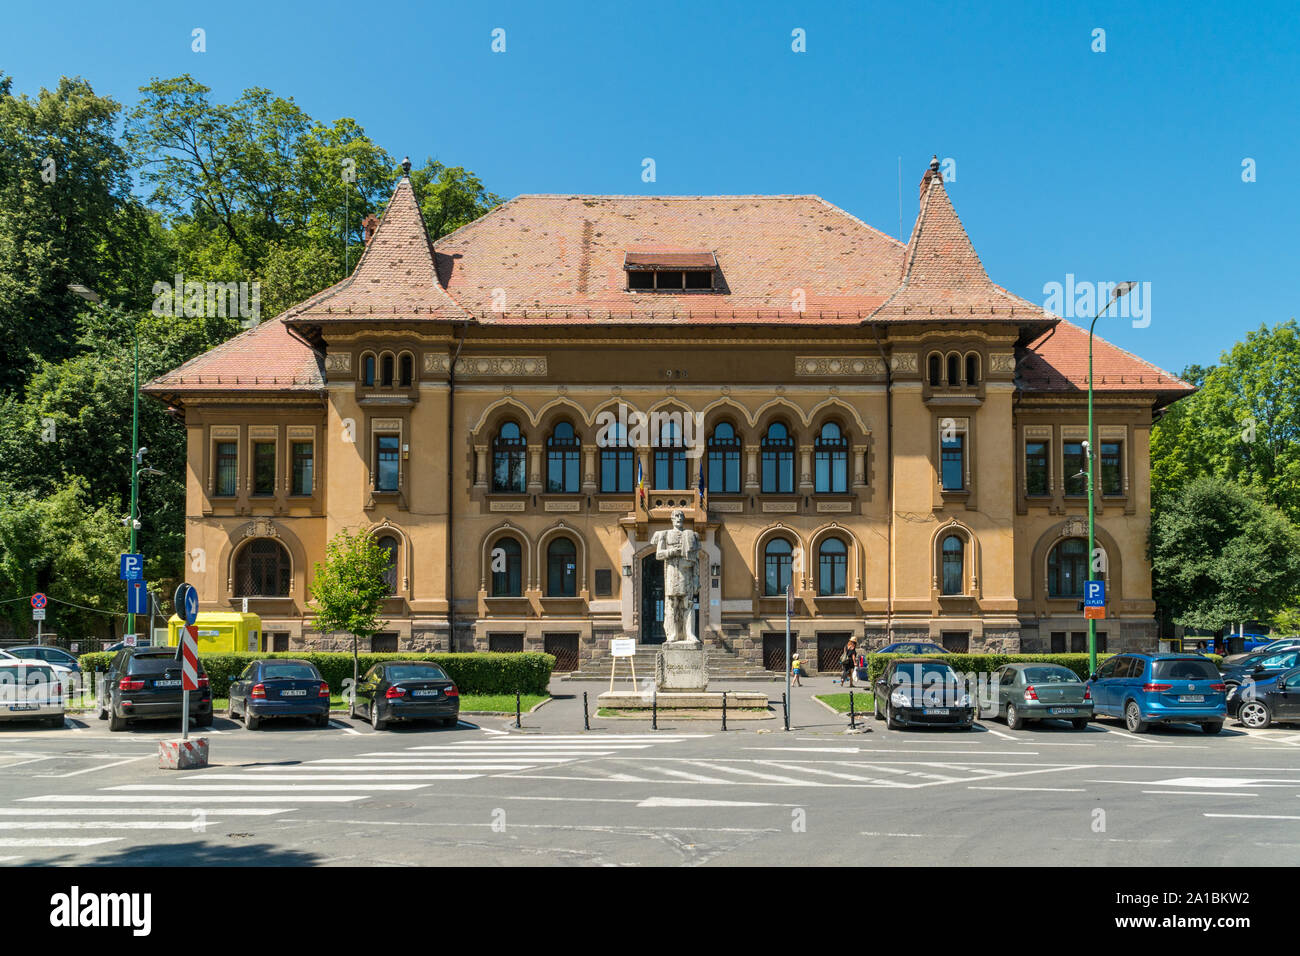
(189, 673)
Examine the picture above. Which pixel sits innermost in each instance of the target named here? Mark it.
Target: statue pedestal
(681, 668)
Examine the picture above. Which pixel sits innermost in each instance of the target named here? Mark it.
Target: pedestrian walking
(847, 661)
(797, 670)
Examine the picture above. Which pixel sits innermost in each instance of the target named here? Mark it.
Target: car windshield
(927, 673)
(289, 671)
(1185, 668)
(414, 672)
(1050, 675)
(26, 673)
(153, 663)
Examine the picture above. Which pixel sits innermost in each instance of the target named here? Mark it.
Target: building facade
(874, 426)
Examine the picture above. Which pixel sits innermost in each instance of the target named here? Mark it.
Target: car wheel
(56, 722)
(1080, 724)
(323, 720)
(1014, 720)
(890, 722)
(451, 722)
(875, 708)
(376, 721)
(103, 711)
(1133, 718)
(352, 709)
(116, 723)
(1255, 714)
(1212, 726)
(251, 720)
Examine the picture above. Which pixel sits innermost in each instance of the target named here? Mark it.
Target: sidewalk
(563, 713)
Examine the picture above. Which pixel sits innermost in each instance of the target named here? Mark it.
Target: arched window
(778, 559)
(262, 569)
(388, 544)
(562, 461)
(506, 561)
(935, 370)
(778, 460)
(724, 460)
(832, 567)
(407, 366)
(616, 464)
(952, 555)
(509, 459)
(670, 458)
(1067, 568)
(368, 370)
(972, 369)
(954, 369)
(831, 460)
(387, 366)
(561, 568)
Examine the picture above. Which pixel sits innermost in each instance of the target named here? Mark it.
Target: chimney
(369, 225)
(931, 173)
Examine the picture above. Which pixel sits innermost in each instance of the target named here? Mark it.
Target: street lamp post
(1122, 289)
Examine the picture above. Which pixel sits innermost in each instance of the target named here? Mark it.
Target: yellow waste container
(222, 632)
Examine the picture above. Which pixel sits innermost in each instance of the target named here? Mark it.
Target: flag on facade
(640, 481)
(704, 492)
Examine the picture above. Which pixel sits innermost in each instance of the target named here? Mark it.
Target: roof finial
(934, 162)
(406, 165)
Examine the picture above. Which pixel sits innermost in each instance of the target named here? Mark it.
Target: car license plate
(1192, 699)
(1061, 710)
(935, 711)
(24, 706)
(293, 693)
(424, 693)
(167, 683)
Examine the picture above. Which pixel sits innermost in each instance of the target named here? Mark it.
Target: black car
(145, 682)
(922, 692)
(1262, 665)
(406, 690)
(1275, 700)
(274, 687)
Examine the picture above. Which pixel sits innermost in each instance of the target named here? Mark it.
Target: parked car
(1281, 644)
(1144, 689)
(406, 690)
(145, 682)
(276, 687)
(51, 655)
(30, 690)
(922, 692)
(1019, 693)
(1273, 700)
(911, 647)
(1261, 665)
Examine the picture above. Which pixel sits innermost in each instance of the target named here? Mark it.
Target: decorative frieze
(505, 506)
(338, 362)
(1002, 362)
(834, 506)
(562, 506)
(838, 365)
(781, 506)
(487, 366)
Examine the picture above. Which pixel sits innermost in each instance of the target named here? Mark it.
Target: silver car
(30, 690)
(1019, 693)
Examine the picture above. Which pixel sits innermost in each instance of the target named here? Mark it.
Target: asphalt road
(487, 794)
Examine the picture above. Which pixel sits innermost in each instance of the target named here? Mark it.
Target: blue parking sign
(1094, 594)
(137, 597)
(131, 567)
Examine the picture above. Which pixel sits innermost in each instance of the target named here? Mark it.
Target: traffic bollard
(785, 707)
(586, 721)
(724, 710)
(654, 711)
(852, 716)
(518, 713)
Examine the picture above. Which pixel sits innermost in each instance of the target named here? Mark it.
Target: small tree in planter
(350, 587)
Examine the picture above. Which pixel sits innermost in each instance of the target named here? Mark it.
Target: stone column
(589, 469)
(751, 468)
(482, 455)
(534, 469)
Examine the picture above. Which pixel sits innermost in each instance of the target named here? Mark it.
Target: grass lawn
(862, 702)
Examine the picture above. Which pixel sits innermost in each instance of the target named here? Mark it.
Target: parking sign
(1094, 594)
(131, 567)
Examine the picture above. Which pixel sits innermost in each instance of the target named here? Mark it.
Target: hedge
(987, 663)
(478, 673)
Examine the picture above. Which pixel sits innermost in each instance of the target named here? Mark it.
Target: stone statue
(679, 550)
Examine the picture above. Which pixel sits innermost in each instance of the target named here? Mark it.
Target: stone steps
(723, 665)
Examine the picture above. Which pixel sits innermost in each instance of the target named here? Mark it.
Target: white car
(31, 690)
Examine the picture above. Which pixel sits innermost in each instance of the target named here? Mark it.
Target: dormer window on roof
(671, 271)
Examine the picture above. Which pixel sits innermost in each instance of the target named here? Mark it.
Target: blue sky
(1125, 164)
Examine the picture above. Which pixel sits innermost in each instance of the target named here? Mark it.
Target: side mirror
(1092, 676)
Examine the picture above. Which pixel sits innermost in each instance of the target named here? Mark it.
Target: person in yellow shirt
(797, 670)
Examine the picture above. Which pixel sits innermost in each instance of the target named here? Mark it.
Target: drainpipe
(451, 519)
(889, 471)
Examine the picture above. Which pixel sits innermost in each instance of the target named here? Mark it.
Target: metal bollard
(654, 711)
(518, 713)
(852, 716)
(724, 710)
(586, 722)
(785, 707)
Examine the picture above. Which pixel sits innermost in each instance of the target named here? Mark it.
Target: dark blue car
(1146, 689)
(1275, 699)
(276, 687)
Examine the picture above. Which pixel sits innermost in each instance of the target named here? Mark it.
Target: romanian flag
(640, 480)
(704, 492)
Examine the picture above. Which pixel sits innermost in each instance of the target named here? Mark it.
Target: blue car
(911, 647)
(276, 687)
(1146, 689)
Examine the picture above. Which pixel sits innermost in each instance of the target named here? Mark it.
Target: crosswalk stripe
(804, 768)
(772, 778)
(396, 759)
(138, 811)
(207, 798)
(58, 841)
(182, 788)
(100, 825)
(352, 776)
(686, 775)
(357, 768)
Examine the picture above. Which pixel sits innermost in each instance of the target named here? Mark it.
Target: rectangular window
(1036, 469)
(386, 462)
(616, 469)
(953, 456)
(227, 463)
(302, 467)
(1112, 468)
(1076, 469)
(264, 468)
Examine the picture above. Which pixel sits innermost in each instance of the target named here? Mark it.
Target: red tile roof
(266, 358)
(1058, 362)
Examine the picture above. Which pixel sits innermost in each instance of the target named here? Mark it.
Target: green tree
(350, 587)
(1219, 554)
(450, 197)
